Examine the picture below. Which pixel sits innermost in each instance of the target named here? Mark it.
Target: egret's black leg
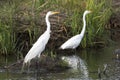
(23, 67)
(37, 69)
(75, 51)
(28, 66)
(37, 65)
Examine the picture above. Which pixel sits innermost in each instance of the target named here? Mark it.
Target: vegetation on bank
(22, 17)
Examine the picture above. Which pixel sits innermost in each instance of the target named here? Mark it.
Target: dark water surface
(85, 65)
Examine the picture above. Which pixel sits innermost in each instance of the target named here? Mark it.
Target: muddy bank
(46, 64)
(114, 22)
(115, 26)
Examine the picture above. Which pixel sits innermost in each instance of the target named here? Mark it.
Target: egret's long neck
(47, 22)
(84, 24)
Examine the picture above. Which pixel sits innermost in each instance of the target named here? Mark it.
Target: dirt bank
(114, 23)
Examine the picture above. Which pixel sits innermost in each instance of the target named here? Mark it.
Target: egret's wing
(73, 42)
(69, 43)
(34, 51)
(38, 47)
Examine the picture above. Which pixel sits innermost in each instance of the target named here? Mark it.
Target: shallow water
(84, 66)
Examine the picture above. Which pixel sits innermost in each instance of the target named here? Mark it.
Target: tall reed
(96, 21)
(7, 35)
(7, 39)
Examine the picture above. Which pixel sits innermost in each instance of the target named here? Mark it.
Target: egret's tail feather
(60, 48)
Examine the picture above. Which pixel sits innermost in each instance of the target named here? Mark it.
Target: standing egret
(74, 41)
(40, 44)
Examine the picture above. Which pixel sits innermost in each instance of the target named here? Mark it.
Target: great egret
(40, 44)
(74, 41)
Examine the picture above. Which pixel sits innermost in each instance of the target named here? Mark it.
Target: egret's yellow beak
(55, 12)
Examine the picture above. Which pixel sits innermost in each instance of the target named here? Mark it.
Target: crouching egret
(74, 41)
(40, 44)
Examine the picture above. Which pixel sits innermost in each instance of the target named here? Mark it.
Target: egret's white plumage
(74, 41)
(40, 44)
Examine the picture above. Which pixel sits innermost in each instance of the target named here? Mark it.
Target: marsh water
(84, 66)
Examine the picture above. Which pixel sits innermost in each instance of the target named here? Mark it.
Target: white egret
(40, 44)
(74, 41)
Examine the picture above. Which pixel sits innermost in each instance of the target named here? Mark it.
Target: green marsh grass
(97, 20)
(7, 37)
